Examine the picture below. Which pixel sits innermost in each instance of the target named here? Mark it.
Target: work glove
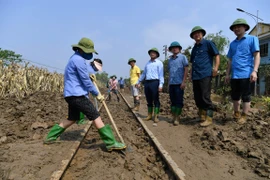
(93, 77)
(100, 98)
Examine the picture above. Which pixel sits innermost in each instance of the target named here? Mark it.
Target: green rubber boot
(178, 112)
(156, 113)
(173, 114)
(54, 133)
(150, 114)
(108, 138)
(82, 119)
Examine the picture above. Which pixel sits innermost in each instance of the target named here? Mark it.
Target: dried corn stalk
(21, 80)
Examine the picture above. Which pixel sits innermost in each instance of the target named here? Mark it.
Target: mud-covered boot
(108, 138)
(156, 113)
(203, 115)
(54, 133)
(173, 114)
(82, 119)
(178, 112)
(209, 119)
(242, 119)
(137, 107)
(236, 115)
(150, 114)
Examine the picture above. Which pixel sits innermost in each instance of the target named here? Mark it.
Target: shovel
(110, 116)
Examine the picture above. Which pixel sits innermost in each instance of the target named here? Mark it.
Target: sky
(43, 31)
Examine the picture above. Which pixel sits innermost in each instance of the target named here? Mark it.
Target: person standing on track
(154, 79)
(178, 70)
(134, 73)
(77, 85)
(202, 71)
(242, 69)
(113, 87)
(122, 84)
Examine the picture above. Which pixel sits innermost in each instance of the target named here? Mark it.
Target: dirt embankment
(250, 141)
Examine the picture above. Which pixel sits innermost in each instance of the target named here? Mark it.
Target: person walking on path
(202, 71)
(134, 73)
(122, 84)
(178, 70)
(113, 87)
(77, 85)
(154, 79)
(242, 69)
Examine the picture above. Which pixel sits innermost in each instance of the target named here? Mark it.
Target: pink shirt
(113, 84)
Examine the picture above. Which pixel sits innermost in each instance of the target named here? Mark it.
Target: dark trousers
(202, 93)
(151, 93)
(176, 96)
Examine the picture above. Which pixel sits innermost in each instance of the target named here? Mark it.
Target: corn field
(21, 80)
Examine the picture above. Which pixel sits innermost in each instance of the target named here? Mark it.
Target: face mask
(87, 56)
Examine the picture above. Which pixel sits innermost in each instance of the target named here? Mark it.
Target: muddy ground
(224, 150)
(140, 162)
(23, 125)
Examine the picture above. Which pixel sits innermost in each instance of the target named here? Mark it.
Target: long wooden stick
(110, 117)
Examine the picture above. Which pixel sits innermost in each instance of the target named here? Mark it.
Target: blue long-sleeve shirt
(153, 70)
(76, 78)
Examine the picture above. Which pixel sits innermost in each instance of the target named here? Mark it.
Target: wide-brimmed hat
(86, 45)
(175, 44)
(154, 50)
(197, 28)
(131, 60)
(240, 22)
(114, 76)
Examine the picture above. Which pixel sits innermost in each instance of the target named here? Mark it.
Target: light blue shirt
(176, 68)
(76, 78)
(153, 70)
(241, 53)
(121, 82)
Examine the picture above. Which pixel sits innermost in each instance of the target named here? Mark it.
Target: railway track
(144, 158)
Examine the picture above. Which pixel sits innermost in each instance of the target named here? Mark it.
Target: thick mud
(141, 161)
(23, 125)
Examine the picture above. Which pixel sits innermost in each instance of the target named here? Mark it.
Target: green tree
(222, 43)
(9, 57)
(102, 77)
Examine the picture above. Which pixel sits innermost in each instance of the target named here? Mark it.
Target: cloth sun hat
(240, 22)
(175, 44)
(98, 65)
(197, 28)
(113, 76)
(131, 60)
(86, 45)
(154, 50)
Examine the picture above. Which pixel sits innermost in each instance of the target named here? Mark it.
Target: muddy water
(142, 160)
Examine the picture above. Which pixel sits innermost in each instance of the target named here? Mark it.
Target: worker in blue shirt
(77, 85)
(121, 84)
(202, 71)
(242, 69)
(178, 70)
(154, 80)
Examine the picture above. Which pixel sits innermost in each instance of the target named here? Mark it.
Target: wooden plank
(179, 174)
